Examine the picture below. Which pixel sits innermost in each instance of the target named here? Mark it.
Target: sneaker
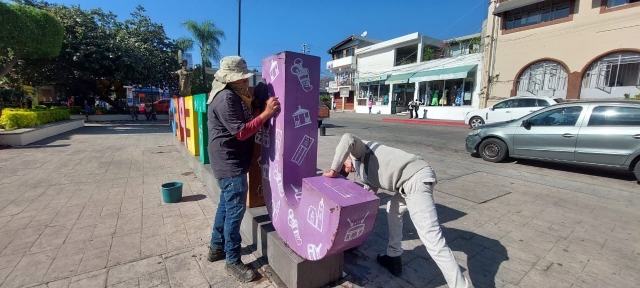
(393, 264)
(241, 271)
(216, 255)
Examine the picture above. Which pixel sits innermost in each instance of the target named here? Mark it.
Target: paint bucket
(171, 192)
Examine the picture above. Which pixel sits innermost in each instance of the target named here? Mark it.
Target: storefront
(447, 93)
(373, 89)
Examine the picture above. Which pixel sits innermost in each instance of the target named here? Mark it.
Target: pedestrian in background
(416, 106)
(411, 103)
(232, 125)
(370, 105)
(412, 180)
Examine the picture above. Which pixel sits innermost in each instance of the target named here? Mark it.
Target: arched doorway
(543, 78)
(612, 76)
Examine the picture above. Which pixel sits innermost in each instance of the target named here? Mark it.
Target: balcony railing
(346, 62)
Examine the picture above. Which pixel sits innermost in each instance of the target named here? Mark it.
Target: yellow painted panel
(191, 125)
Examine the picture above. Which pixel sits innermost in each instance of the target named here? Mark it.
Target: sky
(273, 26)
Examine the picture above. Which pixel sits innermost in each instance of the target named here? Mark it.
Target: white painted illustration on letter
(278, 177)
(273, 70)
(265, 171)
(303, 75)
(314, 251)
(298, 192)
(301, 117)
(275, 209)
(293, 223)
(356, 230)
(315, 215)
(302, 150)
(341, 191)
(266, 138)
(260, 192)
(278, 143)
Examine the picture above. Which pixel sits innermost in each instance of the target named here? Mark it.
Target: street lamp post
(239, 17)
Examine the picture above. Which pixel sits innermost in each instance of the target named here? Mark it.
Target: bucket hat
(232, 68)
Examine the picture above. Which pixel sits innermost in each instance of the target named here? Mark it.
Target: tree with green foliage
(27, 33)
(184, 44)
(101, 54)
(207, 36)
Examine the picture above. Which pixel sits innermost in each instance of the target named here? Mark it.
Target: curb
(427, 122)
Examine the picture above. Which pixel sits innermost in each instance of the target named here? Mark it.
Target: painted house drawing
(301, 117)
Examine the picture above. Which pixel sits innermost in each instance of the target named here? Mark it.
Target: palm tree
(207, 36)
(184, 44)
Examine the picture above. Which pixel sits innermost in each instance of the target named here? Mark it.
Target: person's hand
(330, 173)
(273, 106)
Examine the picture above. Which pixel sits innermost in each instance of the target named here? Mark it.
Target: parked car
(512, 108)
(601, 133)
(162, 106)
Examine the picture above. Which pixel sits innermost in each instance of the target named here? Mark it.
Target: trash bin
(323, 130)
(424, 114)
(172, 192)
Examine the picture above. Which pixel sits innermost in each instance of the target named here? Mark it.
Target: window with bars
(614, 70)
(543, 76)
(537, 13)
(616, 3)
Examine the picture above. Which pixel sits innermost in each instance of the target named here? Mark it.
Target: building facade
(562, 49)
(343, 65)
(440, 74)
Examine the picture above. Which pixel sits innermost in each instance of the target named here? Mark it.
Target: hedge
(24, 118)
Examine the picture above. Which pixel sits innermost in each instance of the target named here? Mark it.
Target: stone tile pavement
(554, 229)
(84, 209)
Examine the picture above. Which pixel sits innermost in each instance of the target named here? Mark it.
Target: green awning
(442, 74)
(400, 78)
(371, 79)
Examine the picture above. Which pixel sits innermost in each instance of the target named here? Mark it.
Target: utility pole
(306, 48)
(239, 17)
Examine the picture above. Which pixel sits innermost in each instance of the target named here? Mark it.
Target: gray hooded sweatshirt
(378, 166)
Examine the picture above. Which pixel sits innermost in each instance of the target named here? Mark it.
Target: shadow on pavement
(482, 265)
(193, 198)
(581, 169)
(483, 255)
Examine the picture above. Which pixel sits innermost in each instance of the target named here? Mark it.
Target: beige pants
(417, 198)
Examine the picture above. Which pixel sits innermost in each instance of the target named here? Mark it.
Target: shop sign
(344, 92)
(371, 79)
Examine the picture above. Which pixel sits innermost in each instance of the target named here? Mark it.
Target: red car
(162, 106)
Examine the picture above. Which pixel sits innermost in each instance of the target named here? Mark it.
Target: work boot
(241, 271)
(216, 255)
(393, 264)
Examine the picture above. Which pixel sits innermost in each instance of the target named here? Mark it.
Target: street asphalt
(83, 209)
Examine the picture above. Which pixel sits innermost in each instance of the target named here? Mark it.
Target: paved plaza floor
(84, 209)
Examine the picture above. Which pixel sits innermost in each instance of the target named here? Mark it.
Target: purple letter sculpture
(316, 216)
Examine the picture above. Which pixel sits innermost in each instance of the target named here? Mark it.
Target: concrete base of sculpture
(295, 271)
(258, 232)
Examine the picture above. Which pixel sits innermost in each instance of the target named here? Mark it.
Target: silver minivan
(602, 133)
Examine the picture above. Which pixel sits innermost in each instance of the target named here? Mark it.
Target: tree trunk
(7, 68)
(204, 76)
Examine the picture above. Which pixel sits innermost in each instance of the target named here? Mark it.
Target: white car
(509, 109)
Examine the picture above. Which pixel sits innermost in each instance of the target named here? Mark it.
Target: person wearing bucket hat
(233, 121)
